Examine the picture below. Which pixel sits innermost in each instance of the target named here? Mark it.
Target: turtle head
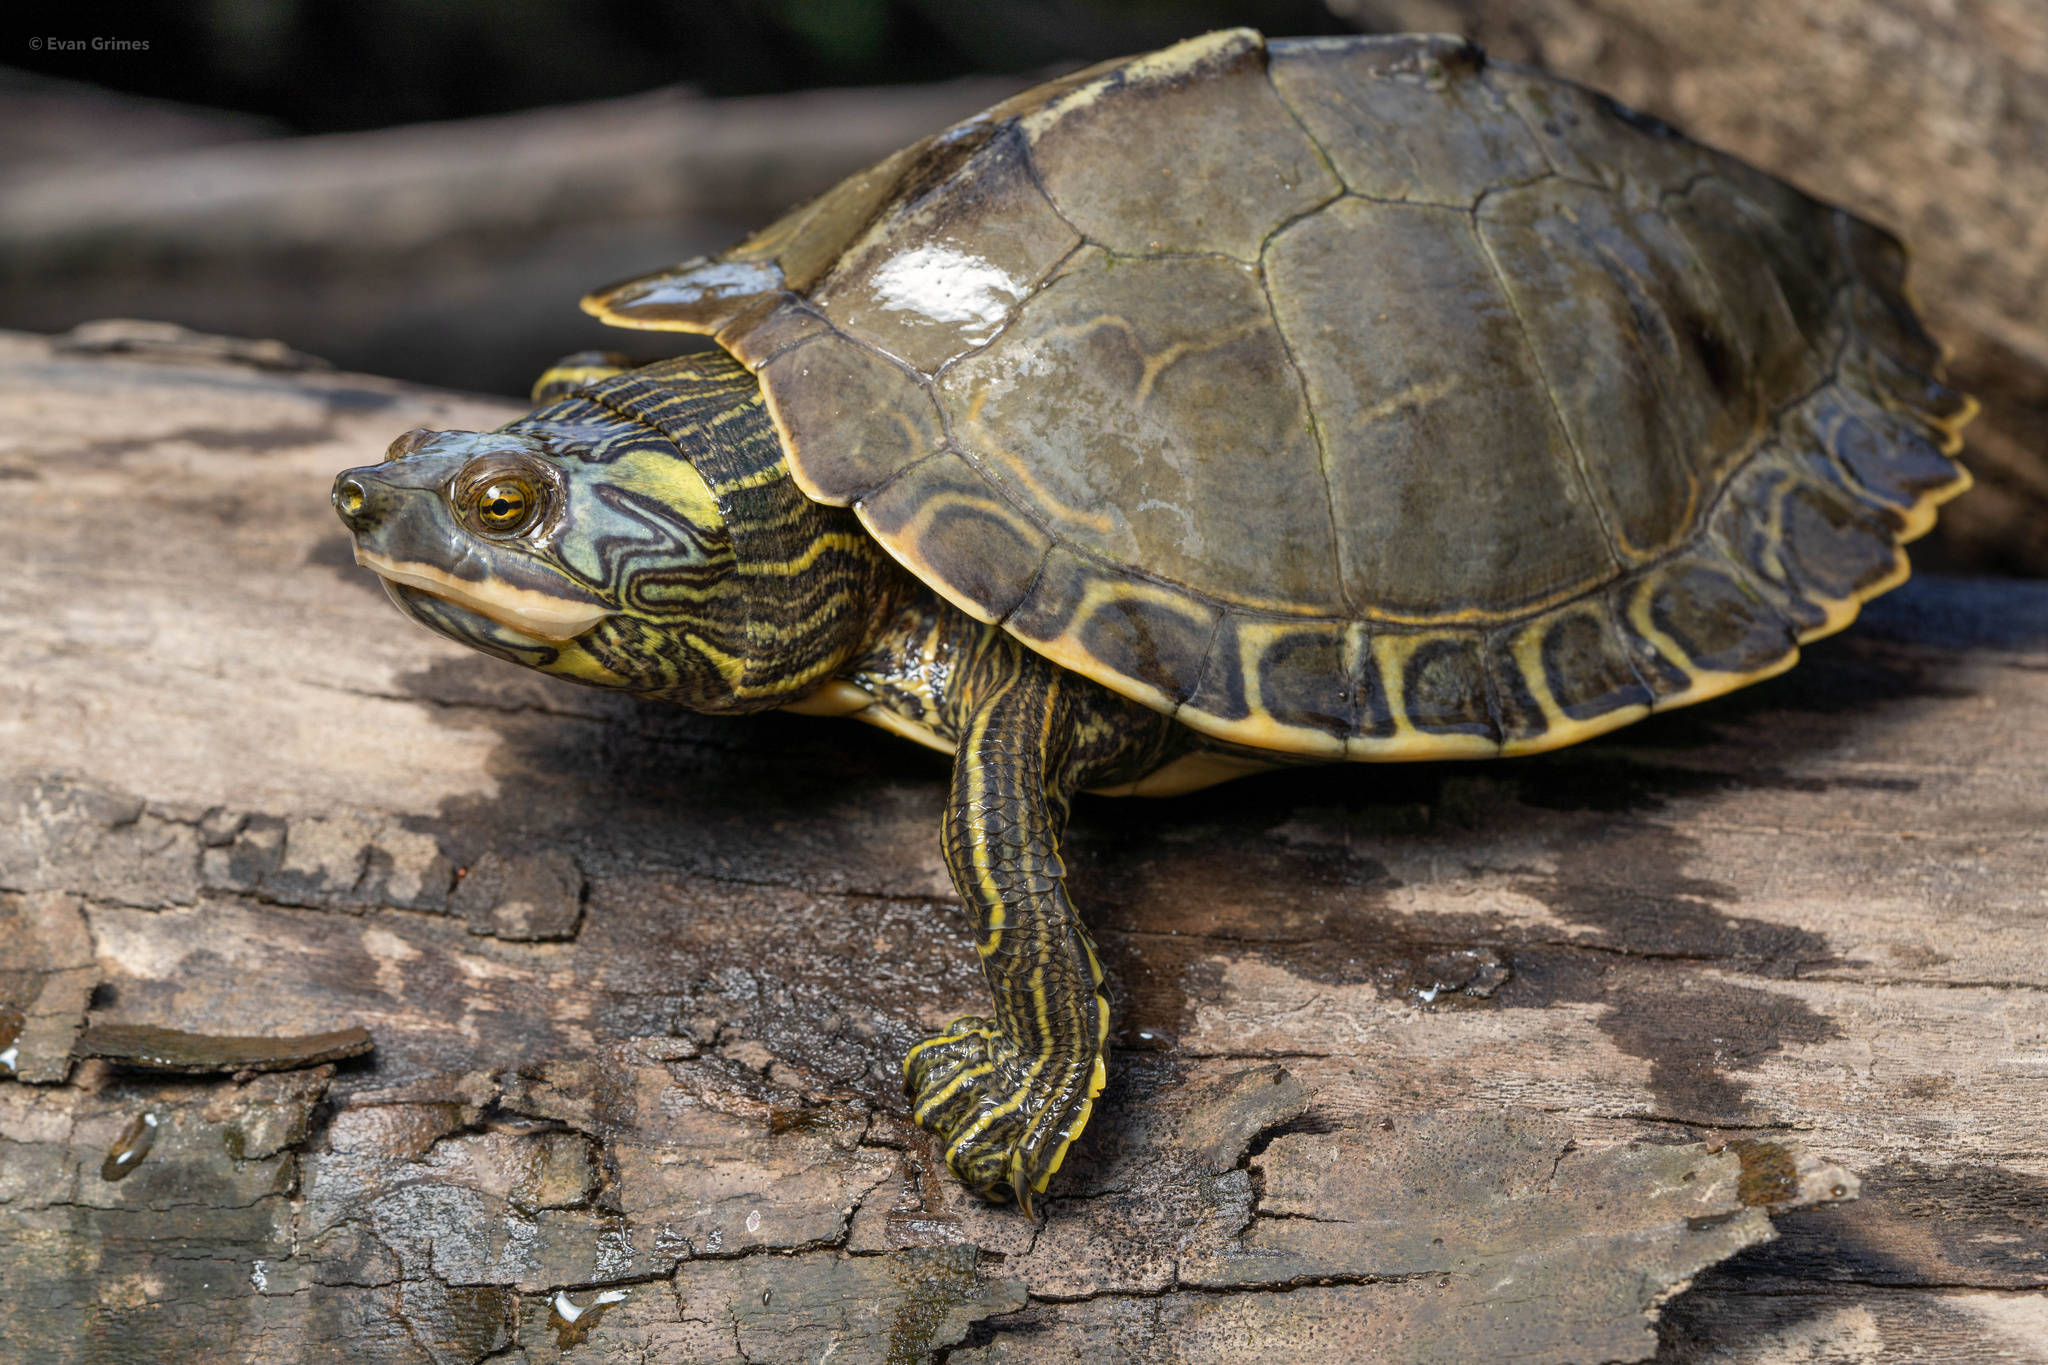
(641, 533)
(592, 551)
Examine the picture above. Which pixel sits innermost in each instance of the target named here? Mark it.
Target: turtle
(1243, 404)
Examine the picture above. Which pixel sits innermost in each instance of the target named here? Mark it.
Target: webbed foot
(1006, 1119)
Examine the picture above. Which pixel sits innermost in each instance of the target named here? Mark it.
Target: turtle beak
(405, 534)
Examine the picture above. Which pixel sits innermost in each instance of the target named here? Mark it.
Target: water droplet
(572, 1320)
(129, 1149)
(12, 1022)
(766, 1294)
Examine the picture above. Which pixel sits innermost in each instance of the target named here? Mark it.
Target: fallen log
(1427, 1062)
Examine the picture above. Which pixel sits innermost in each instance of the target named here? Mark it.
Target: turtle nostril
(349, 500)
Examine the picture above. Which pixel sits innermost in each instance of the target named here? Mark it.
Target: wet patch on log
(1426, 1062)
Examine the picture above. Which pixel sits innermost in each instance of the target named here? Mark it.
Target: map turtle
(1242, 404)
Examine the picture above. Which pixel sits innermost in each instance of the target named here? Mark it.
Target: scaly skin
(1008, 1094)
(663, 507)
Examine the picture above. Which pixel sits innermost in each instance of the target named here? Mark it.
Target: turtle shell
(1349, 397)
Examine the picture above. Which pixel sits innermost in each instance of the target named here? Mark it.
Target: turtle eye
(506, 504)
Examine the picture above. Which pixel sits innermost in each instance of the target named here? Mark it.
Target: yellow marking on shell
(1419, 394)
(902, 543)
(1920, 516)
(1559, 729)
(1254, 638)
(1165, 65)
(1705, 683)
(526, 610)
(1160, 361)
(1066, 649)
(1019, 471)
(1951, 429)
(1566, 732)
(1392, 652)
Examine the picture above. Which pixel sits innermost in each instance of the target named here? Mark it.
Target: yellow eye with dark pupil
(502, 504)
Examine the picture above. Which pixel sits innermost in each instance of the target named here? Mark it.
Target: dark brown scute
(1146, 633)
(956, 528)
(851, 419)
(1295, 673)
(1721, 623)
(1585, 668)
(1443, 687)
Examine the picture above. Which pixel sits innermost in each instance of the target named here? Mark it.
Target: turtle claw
(1006, 1131)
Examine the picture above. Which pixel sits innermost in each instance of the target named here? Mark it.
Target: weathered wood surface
(1434, 1062)
(1928, 116)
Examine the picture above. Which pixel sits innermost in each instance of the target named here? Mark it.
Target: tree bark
(1426, 1062)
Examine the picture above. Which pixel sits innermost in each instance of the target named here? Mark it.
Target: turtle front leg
(1008, 1094)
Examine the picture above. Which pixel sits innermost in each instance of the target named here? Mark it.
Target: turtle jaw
(491, 591)
(539, 617)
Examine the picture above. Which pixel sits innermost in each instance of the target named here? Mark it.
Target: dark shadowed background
(423, 188)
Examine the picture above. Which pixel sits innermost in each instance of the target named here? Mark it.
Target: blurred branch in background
(452, 252)
(448, 253)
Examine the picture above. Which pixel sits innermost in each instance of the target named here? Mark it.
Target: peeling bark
(1435, 1062)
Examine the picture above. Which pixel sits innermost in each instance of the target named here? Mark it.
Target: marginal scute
(700, 295)
(1920, 398)
(769, 327)
(1888, 458)
(941, 277)
(1562, 677)
(1186, 150)
(1879, 306)
(951, 528)
(1748, 527)
(1695, 628)
(849, 419)
(1105, 623)
(1406, 117)
(1439, 681)
(809, 242)
(1288, 678)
